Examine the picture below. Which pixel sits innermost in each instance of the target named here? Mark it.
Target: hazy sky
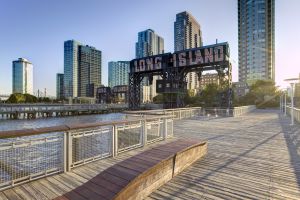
(36, 30)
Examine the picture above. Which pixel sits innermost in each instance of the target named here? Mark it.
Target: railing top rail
(69, 127)
(160, 110)
(298, 109)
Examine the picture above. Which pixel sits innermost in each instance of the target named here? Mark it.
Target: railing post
(165, 129)
(285, 104)
(67, 151)
(114, 140)
(144, 132)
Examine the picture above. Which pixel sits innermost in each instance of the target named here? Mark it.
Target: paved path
(256, 156)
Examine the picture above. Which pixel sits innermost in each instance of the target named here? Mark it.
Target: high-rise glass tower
(89, 67)
(256, 21)
(148, 44)
(82, 69)
(22, 79)
(71, 68)
(187, 35)
(59, 86)
(118, 73)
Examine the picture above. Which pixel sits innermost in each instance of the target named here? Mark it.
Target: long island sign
(202, 56)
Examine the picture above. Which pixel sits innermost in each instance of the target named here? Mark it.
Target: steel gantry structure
(173, 69)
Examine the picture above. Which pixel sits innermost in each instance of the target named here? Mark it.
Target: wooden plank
(10, 194)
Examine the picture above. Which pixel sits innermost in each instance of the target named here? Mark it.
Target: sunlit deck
(256, 156)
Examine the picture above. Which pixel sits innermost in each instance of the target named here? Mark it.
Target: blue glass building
(256, 22)
(118, 73)
(82, 69)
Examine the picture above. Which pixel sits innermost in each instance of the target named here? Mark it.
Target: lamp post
(292, 81)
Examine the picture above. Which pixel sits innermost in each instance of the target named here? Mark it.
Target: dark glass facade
(59, 86)
(82, 69)
(256, 40)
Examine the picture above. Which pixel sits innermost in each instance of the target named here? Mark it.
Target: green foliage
(26, 98)
(16, 98)
(158, 99)
(208, 97)
(263, 94)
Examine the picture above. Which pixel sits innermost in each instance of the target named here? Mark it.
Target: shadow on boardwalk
(292, 137)
(255, 156)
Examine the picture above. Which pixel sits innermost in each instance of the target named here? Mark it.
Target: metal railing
(7, 108)
(238, 111)
(185, 113)
(30, 154)
(177, 113)
(296, 113)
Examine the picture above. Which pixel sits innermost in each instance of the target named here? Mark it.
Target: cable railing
(241, 110)
(296, 113)
(7, 108)
(185, 113)
(30, 154)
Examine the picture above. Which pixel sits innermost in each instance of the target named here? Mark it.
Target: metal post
(292, 110)
(284, 103)
(280, 104)
(65, 155)
(114, 140)
(165, 129)
(69, 151)
(144, 132)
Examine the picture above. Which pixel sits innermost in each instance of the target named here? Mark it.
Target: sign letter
(219, 56)
(142, 65)
(199, 58)
(149, 62)
(157, 62)
(182, 59)
(209, 57)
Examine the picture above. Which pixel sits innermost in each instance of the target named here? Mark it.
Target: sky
(36, 30)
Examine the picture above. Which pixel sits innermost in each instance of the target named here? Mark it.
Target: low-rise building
(240, 88)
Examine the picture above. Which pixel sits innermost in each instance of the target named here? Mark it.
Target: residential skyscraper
(256, 21)
(59, 86)
(71, 68)
(187, 35)
(148, 44)
(82, 69)
(118, 73)
(22, 79)
(89, 67)
(187, 32)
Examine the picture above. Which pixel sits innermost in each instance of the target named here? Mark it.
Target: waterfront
(55, 121)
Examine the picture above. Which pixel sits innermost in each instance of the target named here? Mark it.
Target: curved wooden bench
(140, 175)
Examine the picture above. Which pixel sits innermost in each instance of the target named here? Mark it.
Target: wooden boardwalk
(256, 156)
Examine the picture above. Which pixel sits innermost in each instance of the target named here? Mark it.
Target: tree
(21, 98)
(263, 94)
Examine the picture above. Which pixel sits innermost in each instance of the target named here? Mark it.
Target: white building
(22, 79)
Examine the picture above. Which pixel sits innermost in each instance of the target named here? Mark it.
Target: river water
(55, 121)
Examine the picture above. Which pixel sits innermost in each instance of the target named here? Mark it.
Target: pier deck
(256, 156)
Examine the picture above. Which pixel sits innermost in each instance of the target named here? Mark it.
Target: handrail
(58, 149)
(67, 127)
(296, 112)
